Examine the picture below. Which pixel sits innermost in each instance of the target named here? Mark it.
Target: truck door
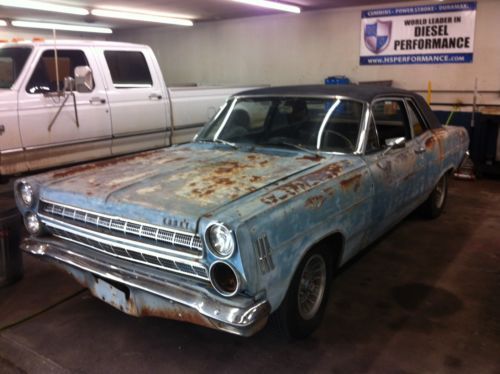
(51, 140)
(12, 62)
(137, 99)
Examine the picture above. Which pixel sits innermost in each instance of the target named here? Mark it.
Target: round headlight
(26, 193)
(221, 240)
(224, 279)
(32, 223)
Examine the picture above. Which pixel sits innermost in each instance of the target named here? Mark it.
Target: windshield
(12, 60)
(319, 124)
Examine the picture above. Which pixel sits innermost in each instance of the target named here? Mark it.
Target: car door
(50, 137)
(397, 172)
(136, 97)
(427, 147)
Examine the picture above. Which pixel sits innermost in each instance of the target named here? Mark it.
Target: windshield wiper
(293, 145)
(222, 141)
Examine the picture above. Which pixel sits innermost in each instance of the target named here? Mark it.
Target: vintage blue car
(254, 216)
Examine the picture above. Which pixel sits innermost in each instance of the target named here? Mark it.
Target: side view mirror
(84, 80)
(69, 84)
(394, 143)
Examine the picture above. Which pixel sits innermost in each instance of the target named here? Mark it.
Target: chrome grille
(120, 250)
(263, 250)
(183, 242)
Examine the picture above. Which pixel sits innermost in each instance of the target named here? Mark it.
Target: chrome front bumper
(140, 291)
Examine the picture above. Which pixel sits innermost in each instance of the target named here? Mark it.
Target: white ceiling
(196, 10)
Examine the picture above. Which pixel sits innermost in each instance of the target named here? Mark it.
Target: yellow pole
(429, 92)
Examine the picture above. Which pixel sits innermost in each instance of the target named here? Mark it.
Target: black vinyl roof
(361, 92)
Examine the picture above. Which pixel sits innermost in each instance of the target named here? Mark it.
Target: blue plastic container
(337, 79)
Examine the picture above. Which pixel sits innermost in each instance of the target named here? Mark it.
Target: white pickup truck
(69, 101)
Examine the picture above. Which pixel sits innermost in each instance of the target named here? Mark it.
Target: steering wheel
(342, 136)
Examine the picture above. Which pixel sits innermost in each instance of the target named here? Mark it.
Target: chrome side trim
(62, 144)
(9, 151)
(239, 315)
(97, 139)
(263, 251)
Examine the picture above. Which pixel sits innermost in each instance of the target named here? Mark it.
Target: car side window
(417, 123)
(44, 78)
(128, 69)
(391, 120)
(372, 140)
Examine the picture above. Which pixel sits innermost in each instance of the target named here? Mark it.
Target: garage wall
(305, 48)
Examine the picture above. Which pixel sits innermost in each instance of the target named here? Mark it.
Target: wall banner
(423, 34)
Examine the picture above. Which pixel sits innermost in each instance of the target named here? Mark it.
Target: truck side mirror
(69, 84)
(84, 80)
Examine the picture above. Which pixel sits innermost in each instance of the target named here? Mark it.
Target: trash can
(11, 261)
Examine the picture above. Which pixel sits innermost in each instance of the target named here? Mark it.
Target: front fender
(276, 240)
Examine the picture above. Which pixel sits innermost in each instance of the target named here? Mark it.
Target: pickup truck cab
(123, 106)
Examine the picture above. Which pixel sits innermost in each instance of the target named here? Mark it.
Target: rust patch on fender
(255, 178)
(232, 174)
(303, 183)
(222, 181)
(229, 167)
(111, 162)
(264, 162)
(315, 202)
(313, 158)
(353, 182)
(330, 191)
(429, 143)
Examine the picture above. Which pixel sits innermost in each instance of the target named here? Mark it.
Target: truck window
(128, 69)
(44, 77)
(12, 61)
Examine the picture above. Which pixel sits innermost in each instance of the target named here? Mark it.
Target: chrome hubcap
(440, 192)
(312, 287)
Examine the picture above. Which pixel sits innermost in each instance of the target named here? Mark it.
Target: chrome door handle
(154, 96)
(420, 150)
(97, 100)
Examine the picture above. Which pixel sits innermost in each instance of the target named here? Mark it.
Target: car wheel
(304, 305)
(434, 205)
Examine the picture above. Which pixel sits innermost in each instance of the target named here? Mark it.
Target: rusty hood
(173, 187)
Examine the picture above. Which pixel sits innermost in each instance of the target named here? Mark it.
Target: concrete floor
(424, 299)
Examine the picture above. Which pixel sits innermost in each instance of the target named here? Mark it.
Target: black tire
(297, 321)
(434, 205)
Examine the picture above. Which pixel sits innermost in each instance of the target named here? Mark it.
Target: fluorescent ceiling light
(60, 26)
(3, 23)
(44, 6)
(141, 17)
(146, 11)
(272, 5)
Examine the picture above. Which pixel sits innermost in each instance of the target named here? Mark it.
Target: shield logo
(378, 35)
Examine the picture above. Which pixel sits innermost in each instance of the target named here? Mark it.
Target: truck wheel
(434, 205)
(304, 305)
